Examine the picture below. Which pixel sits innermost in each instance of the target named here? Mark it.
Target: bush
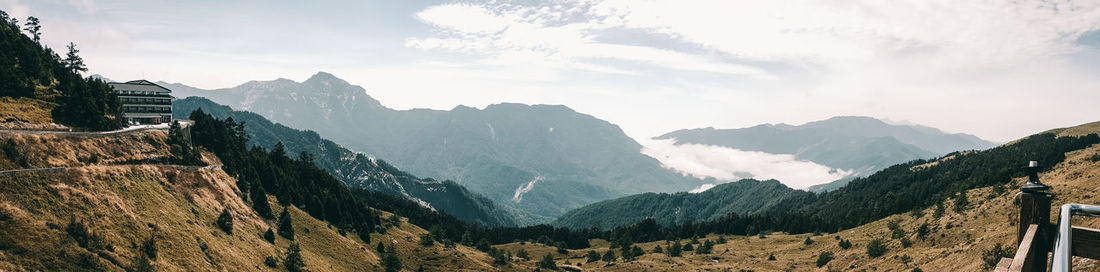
(905, 243)
(844, 244)
(225, 222)
(808, 241)
(592, 256)
(876, 248)
(923, 230)
(269, 236)
(426, 240)
(991, 257)
(675, 249)
(609, 256)
(547, 262)
(271, 262)
(824, 258)
(771, 256)
(149, 247)
(522, 254)
(141, 263)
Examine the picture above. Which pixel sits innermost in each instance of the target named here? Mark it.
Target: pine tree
(286, 229)
(269, 236)
(293, 261)
(34, 27)
(390, 260)
(73, 61)
(259, 201)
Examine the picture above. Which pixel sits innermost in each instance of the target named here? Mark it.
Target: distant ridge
(861, 144)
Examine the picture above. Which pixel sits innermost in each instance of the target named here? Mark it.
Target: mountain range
(542, 160)
(862, 145)
(355, 169)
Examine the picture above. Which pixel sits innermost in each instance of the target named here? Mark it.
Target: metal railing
(1062, 260)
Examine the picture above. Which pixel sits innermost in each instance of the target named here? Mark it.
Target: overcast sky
(997, 69)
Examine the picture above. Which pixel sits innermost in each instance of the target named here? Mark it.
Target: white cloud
(727, 164)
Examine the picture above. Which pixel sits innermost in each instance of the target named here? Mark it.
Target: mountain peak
(321, 76)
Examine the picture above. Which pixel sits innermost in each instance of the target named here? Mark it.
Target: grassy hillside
(127, 203)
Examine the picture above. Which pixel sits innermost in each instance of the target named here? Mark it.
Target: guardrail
(1036, 236)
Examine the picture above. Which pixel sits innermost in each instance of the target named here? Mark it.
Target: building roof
(139, 85)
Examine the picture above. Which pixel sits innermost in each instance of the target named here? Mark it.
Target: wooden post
(1035, 209)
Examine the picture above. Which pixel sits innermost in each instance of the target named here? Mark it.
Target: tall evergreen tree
(34, 27)
(286, 229)
(73, 61)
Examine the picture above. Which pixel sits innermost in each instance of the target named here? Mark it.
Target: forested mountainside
(744, 197)
(354, 169)
(541, 159)
(861, 144)
(897, 189)
(31, 71)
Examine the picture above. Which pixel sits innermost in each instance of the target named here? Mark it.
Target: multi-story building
(144, 102)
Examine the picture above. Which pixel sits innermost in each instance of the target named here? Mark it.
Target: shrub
(522, 254)
(592, 256)
(991, 257)
(675, 249)
(269, 236)
(293, 261)
(609, 256)
(658, 249)
(808, 241)
(905, 259)
(141, 263)
(771, 256)
(845, 244)
(149, 247)
(905, 243)
(225, 222)
(923, 230)
(426, 240)
(547, 262)
(824, 258)
(271, 262)
(876, 248)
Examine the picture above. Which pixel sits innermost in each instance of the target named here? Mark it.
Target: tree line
(31, 69)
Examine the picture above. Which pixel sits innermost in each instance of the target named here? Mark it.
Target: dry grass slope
(127, 204)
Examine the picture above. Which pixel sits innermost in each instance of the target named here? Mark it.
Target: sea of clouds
(728, 164)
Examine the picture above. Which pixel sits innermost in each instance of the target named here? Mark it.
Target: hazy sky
(996, 69)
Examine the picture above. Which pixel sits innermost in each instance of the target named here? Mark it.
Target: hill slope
(357, 170)
(743, 197)
(541, 159)
(861, 144)
(123, 202)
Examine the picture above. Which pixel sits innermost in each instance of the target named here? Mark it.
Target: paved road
(59, 169)
(124, 131)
